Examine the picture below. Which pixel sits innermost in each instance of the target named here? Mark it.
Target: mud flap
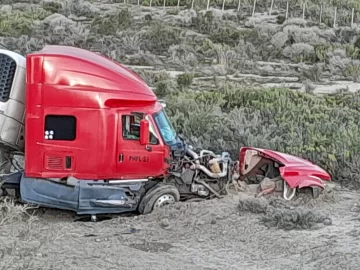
(82, 197)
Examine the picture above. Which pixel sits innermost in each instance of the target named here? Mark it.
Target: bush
(53, 7)
(160, 37)
(80, 8)
(300, 52)
(323, 129)
(111, 23)
(184, 80)
(231, 36)
(17, 23)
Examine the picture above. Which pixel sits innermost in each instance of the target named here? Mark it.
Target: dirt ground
(237, 232)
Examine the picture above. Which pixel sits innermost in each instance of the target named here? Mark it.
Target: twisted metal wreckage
(211, 174)
(133, 160)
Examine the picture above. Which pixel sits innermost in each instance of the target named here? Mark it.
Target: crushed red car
(294, 171)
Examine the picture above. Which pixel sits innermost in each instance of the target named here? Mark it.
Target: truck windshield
(167, 131)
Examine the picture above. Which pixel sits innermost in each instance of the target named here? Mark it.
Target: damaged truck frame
(94, 139)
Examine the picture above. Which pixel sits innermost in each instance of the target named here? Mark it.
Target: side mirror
(144, 132)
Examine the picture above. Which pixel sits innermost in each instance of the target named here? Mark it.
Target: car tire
(158, 196)
(316, 191)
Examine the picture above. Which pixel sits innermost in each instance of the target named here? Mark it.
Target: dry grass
(276, 213)
(294, 219)
(12, 212)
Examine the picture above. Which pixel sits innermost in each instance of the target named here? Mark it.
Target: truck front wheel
(158, 196)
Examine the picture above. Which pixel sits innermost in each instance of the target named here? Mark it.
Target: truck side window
(153, 140)
(60, 127)
(131, 129)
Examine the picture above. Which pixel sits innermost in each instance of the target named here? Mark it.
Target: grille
(54, 162)
(7, 73)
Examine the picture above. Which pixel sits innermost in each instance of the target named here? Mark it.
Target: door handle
(121, 158)
(148, 148)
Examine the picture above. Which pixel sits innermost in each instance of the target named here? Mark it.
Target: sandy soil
(237, 232)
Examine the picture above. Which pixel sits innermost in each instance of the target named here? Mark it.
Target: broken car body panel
(297, 172)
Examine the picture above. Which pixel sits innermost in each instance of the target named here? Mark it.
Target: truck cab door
(135, 160)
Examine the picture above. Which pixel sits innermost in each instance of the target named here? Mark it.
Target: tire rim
(164, 200)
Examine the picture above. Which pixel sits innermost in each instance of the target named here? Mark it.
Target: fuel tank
(12, 100)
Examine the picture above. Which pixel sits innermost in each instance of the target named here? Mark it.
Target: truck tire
(158, 196)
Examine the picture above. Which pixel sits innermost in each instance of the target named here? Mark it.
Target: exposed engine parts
(204, 175)
(214, 166)
(199, 189)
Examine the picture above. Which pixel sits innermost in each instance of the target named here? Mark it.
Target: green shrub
(219, 31)
(160, 37)
(353, 52)
(204, 23)
(111, 23)
(321, 52)
(17, 23)
(185, 80)
(352, 71)
(14, 26)
(231, 36)
(53, 7)
(323, 129)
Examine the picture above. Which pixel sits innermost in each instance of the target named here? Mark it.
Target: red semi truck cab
(95, 139)
(91, 118)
